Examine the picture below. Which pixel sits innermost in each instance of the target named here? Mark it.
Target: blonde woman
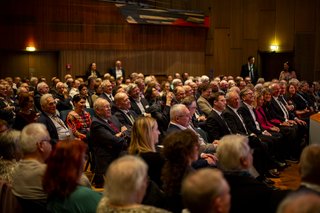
(144, 137)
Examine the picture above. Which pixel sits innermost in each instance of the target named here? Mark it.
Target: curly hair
(178, 149)
(64, 168)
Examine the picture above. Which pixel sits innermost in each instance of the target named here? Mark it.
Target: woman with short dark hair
(78, 120)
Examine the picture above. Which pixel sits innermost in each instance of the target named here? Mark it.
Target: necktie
(130, 117)
(244, 126)
(251, 72)
(225, 123)
(59, 121)
(113, 126)
(283, 108)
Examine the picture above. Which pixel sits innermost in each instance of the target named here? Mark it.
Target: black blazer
(245, 72)
(135, 107)
(234, 122)
(112, 71)
(250, 196)
(273, 110)
(216, 127)
(248, 119)
(106, 145)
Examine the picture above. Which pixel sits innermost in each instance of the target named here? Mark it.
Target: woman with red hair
(62, 179)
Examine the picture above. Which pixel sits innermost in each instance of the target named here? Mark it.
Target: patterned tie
(113, 126)
(251, 72)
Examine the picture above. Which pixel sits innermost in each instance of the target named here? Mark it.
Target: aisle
(289, 178)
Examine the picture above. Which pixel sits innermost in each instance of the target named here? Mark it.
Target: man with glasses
(49, 117)
(27, 177)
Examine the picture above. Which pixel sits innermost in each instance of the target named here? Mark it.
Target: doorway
(271, 63)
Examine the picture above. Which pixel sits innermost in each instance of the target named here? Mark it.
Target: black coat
(216, 127)
(106, 146)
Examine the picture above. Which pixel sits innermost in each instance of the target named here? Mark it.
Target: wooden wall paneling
(222, 13)
(267, 5)
(236, 28)
(305, 11)
(221, 52)
(235, 61)
(284, 29)
(250, 19)
(13, 64)
(304, 55)
(147, 62)
(250, 47)
(267, 34)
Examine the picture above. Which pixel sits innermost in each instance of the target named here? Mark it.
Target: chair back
(8, 202)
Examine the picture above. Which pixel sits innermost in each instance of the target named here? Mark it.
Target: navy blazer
(44, 119)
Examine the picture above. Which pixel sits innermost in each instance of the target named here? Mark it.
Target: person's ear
(40, 146)
(244, 162)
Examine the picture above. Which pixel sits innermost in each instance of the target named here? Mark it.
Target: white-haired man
(42, 88)
(206, 191)
(248, 194)
(109, 138)
(27, 178)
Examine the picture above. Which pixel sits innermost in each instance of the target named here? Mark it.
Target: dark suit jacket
(37, 98)
(216, 127)
(274, 111)
(124, 120)
(248, 119)
(106, 145)
(245, 72)
(112, 71)
(234, 122)
(135, 107)
(44, 119)
(249, 195)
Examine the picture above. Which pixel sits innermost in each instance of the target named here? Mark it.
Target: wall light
(274, 48)
(30, 48)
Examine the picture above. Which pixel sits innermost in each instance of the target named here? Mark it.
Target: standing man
(117, 71)
(250, 69)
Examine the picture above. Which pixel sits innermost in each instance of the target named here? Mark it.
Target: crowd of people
(185, 144)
